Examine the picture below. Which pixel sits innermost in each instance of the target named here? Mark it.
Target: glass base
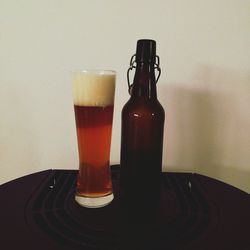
(94, 202)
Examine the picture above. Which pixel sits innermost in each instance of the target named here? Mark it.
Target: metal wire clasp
(132, 65)
(157, 67)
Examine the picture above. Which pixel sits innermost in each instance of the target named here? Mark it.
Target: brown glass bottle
(142, 128)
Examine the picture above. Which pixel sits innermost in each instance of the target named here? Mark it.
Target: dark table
(38, 211)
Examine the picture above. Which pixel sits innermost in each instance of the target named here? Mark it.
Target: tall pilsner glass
(93, 96)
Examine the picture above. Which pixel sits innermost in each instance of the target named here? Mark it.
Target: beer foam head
(93, 88)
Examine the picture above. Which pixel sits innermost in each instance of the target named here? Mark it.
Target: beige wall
(205, 85)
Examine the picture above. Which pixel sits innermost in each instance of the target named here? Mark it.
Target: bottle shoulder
(143, 103)
(143, 107)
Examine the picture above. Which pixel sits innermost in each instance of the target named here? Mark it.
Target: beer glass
(93, 97)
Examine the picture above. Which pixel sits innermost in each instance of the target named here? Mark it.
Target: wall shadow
(207, 126)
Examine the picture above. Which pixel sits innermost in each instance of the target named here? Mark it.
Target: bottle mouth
(145, 51)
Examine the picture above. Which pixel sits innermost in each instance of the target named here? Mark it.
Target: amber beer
(93, 95)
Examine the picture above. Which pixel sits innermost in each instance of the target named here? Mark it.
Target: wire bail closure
(132, 65)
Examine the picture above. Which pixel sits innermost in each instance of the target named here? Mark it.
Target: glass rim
(95, 71)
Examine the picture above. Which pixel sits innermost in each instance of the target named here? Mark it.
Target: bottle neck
(144, 85)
